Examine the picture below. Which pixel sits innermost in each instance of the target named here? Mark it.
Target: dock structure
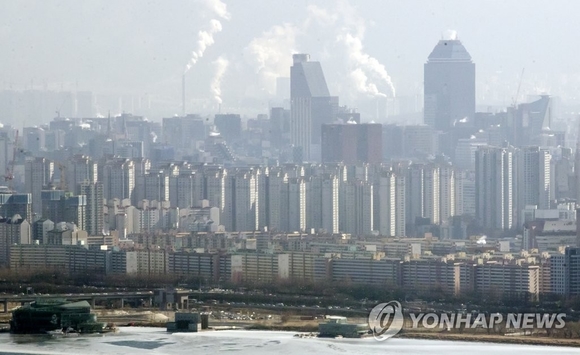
(339, 326)
(189, 322)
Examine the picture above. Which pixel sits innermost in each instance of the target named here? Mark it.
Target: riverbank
(261, 320)
(485, 338)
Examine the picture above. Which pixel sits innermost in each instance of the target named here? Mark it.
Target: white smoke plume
(205, 37)
(450, 35)
(218, 8)
(220, 66)
(271, 54)
(338, 42)
(366, 71)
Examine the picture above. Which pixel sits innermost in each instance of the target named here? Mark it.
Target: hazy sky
(139, 46)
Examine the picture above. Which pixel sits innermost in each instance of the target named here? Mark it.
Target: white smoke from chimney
(220, 66)
(450, 35)
(271, 54)
(205, 37)
(364, 68)
(332, 35)
(218, 8)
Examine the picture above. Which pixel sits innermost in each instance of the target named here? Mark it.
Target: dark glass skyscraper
(449, 85)
(311, 105)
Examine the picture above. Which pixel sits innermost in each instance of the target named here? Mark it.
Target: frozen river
(145, 341)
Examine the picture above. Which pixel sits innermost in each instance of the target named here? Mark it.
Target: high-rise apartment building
(356, 208)
(118, 178)
(216, 183)
(245, 201)
(449, 85)
(95, 219)
(79, 169)
(277, 200)
(446, 192)
(297, 202)
(385, 204)
(533, 178)
(38, 173)
(494, 187)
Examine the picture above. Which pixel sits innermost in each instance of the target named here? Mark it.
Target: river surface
(144, 341)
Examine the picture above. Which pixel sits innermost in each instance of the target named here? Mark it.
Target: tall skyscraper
(449, 85)
(95, 220)
(79, 169)
(38, 173)
(310, 106)
(533, 178)
(494, 187)
(11, 204)
(385, 204)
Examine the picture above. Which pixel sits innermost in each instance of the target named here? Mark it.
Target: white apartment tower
(385, 204)
(245, 202)
(447, 208)
(297, 204)
(329, 205)
(533, 177)
(216, 181)
(400, 202)
(431, 194)
(277, 200)
(356, 208)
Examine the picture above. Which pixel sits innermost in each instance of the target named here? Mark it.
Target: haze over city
(138, 50)
(333, 169)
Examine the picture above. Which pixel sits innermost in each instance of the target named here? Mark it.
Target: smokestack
(183, 95)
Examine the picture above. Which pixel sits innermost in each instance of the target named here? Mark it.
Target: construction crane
(9, 176)
(515, 100)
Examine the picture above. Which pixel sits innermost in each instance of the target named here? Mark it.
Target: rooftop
(449, 51)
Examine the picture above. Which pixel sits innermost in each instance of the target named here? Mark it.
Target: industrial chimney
(183, 95)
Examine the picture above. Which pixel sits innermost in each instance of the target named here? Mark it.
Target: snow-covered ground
(143, 341)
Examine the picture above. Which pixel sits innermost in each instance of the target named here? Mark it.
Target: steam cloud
(271, 54)
(450, 35)
(205, 38)
(220, 65)
(338, 31)
(365, 69)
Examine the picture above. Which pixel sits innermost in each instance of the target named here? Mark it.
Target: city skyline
(262, 53)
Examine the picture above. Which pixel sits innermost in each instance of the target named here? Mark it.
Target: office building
(229, 126)
(352, 143)
(494, 187)
(20, 204)
(449, 86)
(310, 106)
